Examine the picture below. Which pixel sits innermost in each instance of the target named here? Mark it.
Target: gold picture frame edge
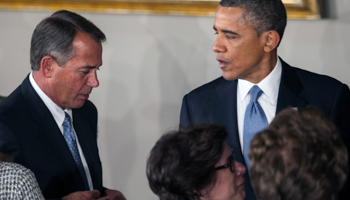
(310, 10)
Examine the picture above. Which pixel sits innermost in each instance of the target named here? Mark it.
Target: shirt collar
(269, 85)
(56, 111)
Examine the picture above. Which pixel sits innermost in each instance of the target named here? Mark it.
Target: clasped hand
(95, 194)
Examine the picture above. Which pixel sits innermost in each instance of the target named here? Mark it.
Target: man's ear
(272, 38)
(46, 66)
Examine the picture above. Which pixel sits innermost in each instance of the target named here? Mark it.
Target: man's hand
(83, 195)
(112, 195)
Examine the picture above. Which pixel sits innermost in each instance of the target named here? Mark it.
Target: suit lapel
(290, 87)
(86, 141)
(52, 138)
(227, 91)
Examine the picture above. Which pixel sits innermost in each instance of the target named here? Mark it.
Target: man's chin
(229, 77)
(78, 104)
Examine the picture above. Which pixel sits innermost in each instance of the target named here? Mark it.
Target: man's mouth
(85, 96)
(222, 63)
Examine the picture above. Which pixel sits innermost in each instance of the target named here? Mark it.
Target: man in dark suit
(47, 124)
(249, 32)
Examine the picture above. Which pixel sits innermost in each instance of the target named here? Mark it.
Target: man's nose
(219, 46)
(93, 81)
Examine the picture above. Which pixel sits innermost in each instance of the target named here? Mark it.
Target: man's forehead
(229, 11)
(232, 16)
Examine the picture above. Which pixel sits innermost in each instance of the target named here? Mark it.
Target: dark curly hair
(300, 156)
(262, 15)
(182, 163)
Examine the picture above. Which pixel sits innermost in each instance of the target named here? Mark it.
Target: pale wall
(150, 62)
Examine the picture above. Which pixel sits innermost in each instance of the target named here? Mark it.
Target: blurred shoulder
(212, 85)
(12, 171)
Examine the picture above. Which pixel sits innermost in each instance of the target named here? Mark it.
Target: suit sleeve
(341, 117)
(185, 117)
(341, 111)
(9, 143)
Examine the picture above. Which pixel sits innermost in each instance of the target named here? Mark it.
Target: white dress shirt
(268, 100)
(59, 115)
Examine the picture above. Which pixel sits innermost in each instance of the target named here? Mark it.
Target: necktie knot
(67, 126)
(255, 93)
(66, 122)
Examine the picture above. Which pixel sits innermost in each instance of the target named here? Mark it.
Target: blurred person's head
(195, 163)
(5, 158)
(300, 156)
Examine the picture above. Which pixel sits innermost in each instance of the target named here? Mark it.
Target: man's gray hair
(54, 36)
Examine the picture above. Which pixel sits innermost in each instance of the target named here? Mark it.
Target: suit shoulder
(212, 85)
(14, 168)
(13, 104)
(313, 78)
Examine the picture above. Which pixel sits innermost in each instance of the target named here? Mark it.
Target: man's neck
(267, 64)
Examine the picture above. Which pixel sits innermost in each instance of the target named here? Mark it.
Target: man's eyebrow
(225, 31)
(229, 32)
(88, 67)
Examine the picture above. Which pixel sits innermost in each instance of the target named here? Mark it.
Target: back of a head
(5, 158)
(54, 36)
(299, 157)
(182, 162)
(262, 15)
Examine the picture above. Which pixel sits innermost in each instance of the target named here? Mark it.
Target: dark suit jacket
(29, 133)
(215, 102)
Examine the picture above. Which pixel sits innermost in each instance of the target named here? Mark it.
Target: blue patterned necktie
(254, 121)
(72, 144)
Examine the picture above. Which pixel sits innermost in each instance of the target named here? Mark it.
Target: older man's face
(72, 83)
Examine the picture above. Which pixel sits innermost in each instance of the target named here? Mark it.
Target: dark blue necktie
(72, 144)
(254, 121)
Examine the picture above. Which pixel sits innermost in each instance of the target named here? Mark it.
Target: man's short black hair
(262, 15)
